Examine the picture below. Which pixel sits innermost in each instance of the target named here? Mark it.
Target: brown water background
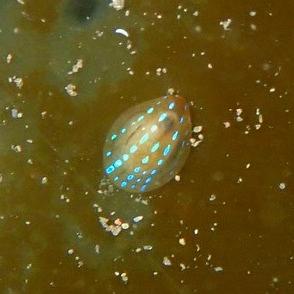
(226, 227)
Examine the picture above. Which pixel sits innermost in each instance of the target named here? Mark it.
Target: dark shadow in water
(82, 10)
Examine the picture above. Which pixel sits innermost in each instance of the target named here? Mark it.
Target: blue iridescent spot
(113, 137)
(181, 120)
(167, 150)
(125, 157)
(143, 188)
(133, 186)
(171, 105)
(137, 169)
(133, 148)
(118, 163)
(154, 172)
(109, 169)
(123, 184)
(140, 118)
(123, 130)
(145, 159)
(108, 153)
(148, 180)
(155, 147)
(154, 128)
(130, 177)
(116, 178)
(160, 162)
(175, 135)
(162, 117)
(144, 138)
(138, 180)
(150, 110)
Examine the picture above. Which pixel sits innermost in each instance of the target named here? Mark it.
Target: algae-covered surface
(68, 69)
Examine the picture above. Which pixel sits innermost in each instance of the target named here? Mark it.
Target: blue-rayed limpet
(148, 144)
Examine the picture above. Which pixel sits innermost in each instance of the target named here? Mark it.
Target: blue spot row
(125, 157)
(113, 137)
(175, 135)
(145, 159)
(171, 105)
(155, 147)
(150, 110)
(133, 148)
(162, 117)
(144, 138)
(140, 118)
(166, 150)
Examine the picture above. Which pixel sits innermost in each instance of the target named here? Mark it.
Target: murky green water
(226, 227)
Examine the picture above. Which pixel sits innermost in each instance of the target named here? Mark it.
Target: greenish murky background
(226, 227)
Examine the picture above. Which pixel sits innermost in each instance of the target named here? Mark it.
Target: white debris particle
(44, 180)
(18, 81)
(177, 178)
(252, 13)
(218, 269)
(97, 248)
(253, 27)
(282, 186)
(9, 58)
(183, 266)
(1, 178)
(196, 231)
(238, 114)
(272, 90)
(71, 90)
(248, 165)
(212, 197)
(225, 24)
(27, 223)
(210, 66)
(147, 247)
(124, 277)
(125, 226)
(76, 67)
(16, 148)
(182, 241)
(171, 91)
(15, 113)
(137, 218)
(227, 124)
(70, 251)
(197, 129)
(166, 261)
(122, 32)
(275, 279)
(118, 4)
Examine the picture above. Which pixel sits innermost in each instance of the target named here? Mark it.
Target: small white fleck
(166, 261)
(122, 32)
(182, 241)
(137, 218)
(218, 269)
